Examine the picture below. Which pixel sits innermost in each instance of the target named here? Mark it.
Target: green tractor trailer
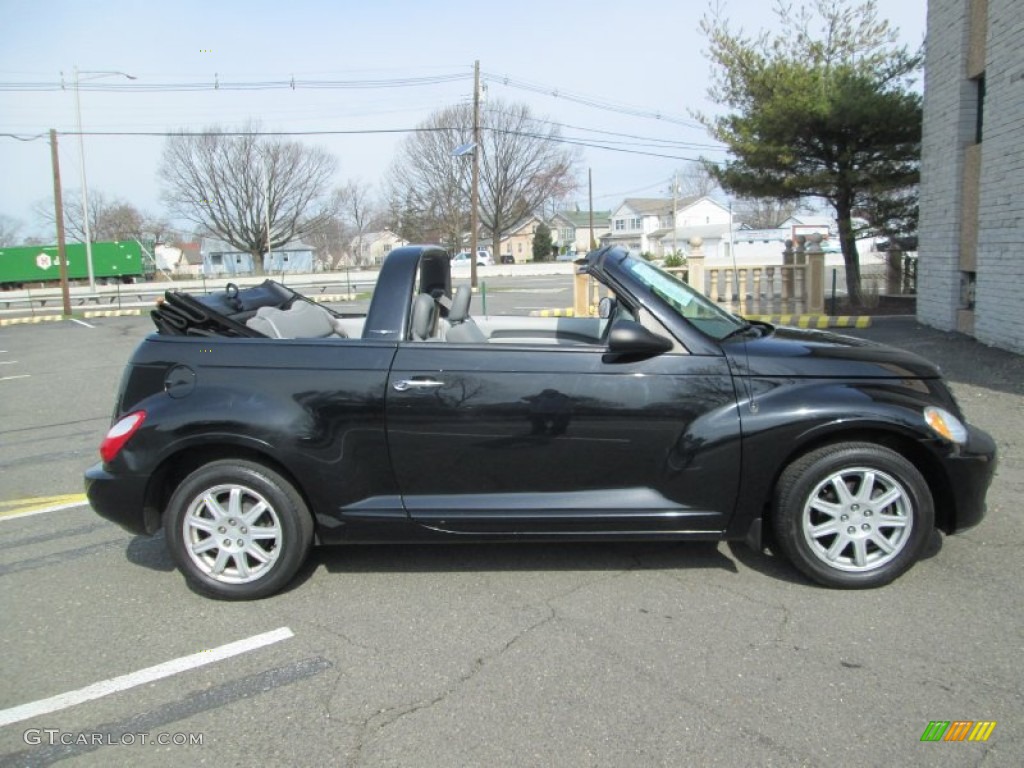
(122, 261)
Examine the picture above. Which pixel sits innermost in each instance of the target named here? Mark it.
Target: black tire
(882, 520)
(241, 553)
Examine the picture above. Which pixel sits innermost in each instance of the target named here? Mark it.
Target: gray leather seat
(463, 330)
(424, 317)
(303, 320)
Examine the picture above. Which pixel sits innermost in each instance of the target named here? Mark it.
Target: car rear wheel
(853, 515)
(237, 530)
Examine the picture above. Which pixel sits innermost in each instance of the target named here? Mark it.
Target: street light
(93, 75)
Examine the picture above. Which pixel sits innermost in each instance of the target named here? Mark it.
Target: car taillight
(121, 433)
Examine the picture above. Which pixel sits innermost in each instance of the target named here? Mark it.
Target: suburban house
(517, 243)
(372, 247)
(647, 225)
(183, 259)
(971, 228)
(220, 258)
(766, 245)
(571, 232)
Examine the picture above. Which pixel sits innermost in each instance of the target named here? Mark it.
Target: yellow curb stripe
(112, 313)
(31, 320)
(815, 321)
(552, 313)
(42, 500)
(37, 506)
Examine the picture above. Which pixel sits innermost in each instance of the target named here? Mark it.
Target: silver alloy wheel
(232, 534)
(857, 519)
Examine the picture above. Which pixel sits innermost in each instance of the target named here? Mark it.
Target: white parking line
(143, 676)
(82, 322)
(8, 362)
(12, 378)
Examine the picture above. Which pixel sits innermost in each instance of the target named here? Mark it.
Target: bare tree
(229, 185)
(429, 187)
(765, 212)
(330, 240)
(522, 165)
(10, 231)
(693, 180)
(358, 211)
(109, 219)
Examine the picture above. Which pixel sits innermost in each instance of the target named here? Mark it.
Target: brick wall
(950, 103)
(999, 313)
(948, 128)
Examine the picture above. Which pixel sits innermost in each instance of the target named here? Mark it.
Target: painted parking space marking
(18, 508)
(12, 378)
(173, 712)
(82, 322)
(141, 677)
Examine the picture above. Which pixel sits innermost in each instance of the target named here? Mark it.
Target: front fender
(782, 420)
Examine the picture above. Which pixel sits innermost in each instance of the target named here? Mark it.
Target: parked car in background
(483, 258)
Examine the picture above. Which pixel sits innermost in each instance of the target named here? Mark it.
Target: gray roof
(655, 206)
(581, 219)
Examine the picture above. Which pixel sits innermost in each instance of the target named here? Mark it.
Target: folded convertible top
(221, 313)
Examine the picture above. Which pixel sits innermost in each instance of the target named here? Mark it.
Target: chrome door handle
(406, 384)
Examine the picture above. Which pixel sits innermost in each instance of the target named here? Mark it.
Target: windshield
(695, 307)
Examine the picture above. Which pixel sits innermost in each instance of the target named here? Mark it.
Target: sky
(641, 68)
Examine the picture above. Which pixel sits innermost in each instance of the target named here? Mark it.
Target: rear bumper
(121, 499)
(970, 473)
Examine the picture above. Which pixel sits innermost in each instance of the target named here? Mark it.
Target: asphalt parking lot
(529, 655)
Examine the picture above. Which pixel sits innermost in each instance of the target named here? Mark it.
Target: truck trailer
(122, 261)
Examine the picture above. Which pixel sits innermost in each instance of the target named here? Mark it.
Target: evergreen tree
(824, 109)
(542, 242)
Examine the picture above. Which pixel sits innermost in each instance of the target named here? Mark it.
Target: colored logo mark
(958, 730)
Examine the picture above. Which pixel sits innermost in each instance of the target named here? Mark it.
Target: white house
(571, 232)
(372, 247)
(646, 225)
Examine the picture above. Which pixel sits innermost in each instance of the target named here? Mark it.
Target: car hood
(793, 352)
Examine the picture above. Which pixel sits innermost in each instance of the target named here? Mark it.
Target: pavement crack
(374, 725)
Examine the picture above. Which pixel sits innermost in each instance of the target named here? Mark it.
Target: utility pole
(475, 195)
(58, 206)
(675, 191)
(590, 205)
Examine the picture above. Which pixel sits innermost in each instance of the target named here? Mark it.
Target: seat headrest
(424, 317)
(303, 321)
(460, 305)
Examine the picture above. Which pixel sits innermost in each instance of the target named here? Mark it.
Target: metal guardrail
(145, 294)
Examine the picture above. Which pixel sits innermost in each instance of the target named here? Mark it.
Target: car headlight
(945, 424)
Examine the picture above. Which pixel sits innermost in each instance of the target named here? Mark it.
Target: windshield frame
(686, 302)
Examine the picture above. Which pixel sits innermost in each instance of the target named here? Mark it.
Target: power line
(593, 101)
(138, 86)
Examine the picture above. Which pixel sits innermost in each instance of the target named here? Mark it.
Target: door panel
(518, 438)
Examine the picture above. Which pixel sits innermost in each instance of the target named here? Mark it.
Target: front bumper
(121, 499)
(970, 473)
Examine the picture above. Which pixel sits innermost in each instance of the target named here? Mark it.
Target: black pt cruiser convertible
(255, 423)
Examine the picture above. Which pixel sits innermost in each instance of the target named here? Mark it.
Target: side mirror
(606, 307)
(630, 338)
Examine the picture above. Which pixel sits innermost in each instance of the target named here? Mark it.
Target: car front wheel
(237, 530)
(853, 515)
